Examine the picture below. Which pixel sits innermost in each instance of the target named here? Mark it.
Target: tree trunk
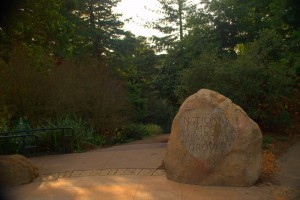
(180, 19)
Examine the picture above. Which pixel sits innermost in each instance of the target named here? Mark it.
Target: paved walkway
(289, 167)
(127, 172)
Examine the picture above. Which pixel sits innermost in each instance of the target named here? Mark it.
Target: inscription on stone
(200, 134)
(213, 142)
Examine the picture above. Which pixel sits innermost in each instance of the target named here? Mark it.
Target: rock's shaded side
(213, 142)
(16, 170)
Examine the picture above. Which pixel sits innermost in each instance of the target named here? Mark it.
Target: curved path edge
(101, 172)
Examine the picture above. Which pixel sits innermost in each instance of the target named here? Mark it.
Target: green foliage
(21, 124)
(166, 81)
(42, 34)
(114, 136)
(245, 50)
(283, 120)
(5, 117)
(201, 74)
(160, 112)
(84, 136)
(22, 88)
(73, 59)
(139, 101)
(139, 131)
(172, 23)
(89, 90)
(267, 141)
(256, 80)
(63, 30)
(136, 63)
(98, 26)
(68, 60)
(168, 24)
(10, 146)
(85, 89)
(281, 137)
(131, 132)
(152, 129)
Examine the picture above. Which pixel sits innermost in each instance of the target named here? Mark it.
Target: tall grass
(84, 136)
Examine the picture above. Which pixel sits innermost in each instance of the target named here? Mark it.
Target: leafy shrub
(88, 90)
(160, 113)
(5, 117)
(21, 124)
(139, 131)
(257, 80)
(84, 136)
(23, 89)
(153, 129)
(85, 88)
(283, 120)
(10, 146)
(267, 141)
(114, 136)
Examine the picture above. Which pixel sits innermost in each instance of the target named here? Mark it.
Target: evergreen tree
(172, 22)
(41, 34)
(101, 24)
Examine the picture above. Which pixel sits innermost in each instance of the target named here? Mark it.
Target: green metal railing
(34, 141)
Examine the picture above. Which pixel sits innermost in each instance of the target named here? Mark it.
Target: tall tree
(250, 44)
(234, 22)
(102, 24)
(135, 62)
(172, 22)
(66, 28)
(44, 35)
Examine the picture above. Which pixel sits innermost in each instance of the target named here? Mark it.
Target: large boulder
(213, 142)
(16, 170)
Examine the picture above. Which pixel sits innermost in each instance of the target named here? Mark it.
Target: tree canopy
(76, 54)
(246, 50)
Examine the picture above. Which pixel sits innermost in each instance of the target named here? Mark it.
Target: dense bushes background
(257, 80)
(71, 63)
(85, 89)
(247, 51)
(83, 94)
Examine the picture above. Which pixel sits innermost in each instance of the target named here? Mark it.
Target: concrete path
(135, 156)
(127, 172)
(289, 167)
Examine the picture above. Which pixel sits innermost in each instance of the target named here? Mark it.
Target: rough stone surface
(16, 170)
(213, 142)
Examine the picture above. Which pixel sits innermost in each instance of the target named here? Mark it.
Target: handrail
(14, 136)
(37, 130)
(23, 136)
(26, 133)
